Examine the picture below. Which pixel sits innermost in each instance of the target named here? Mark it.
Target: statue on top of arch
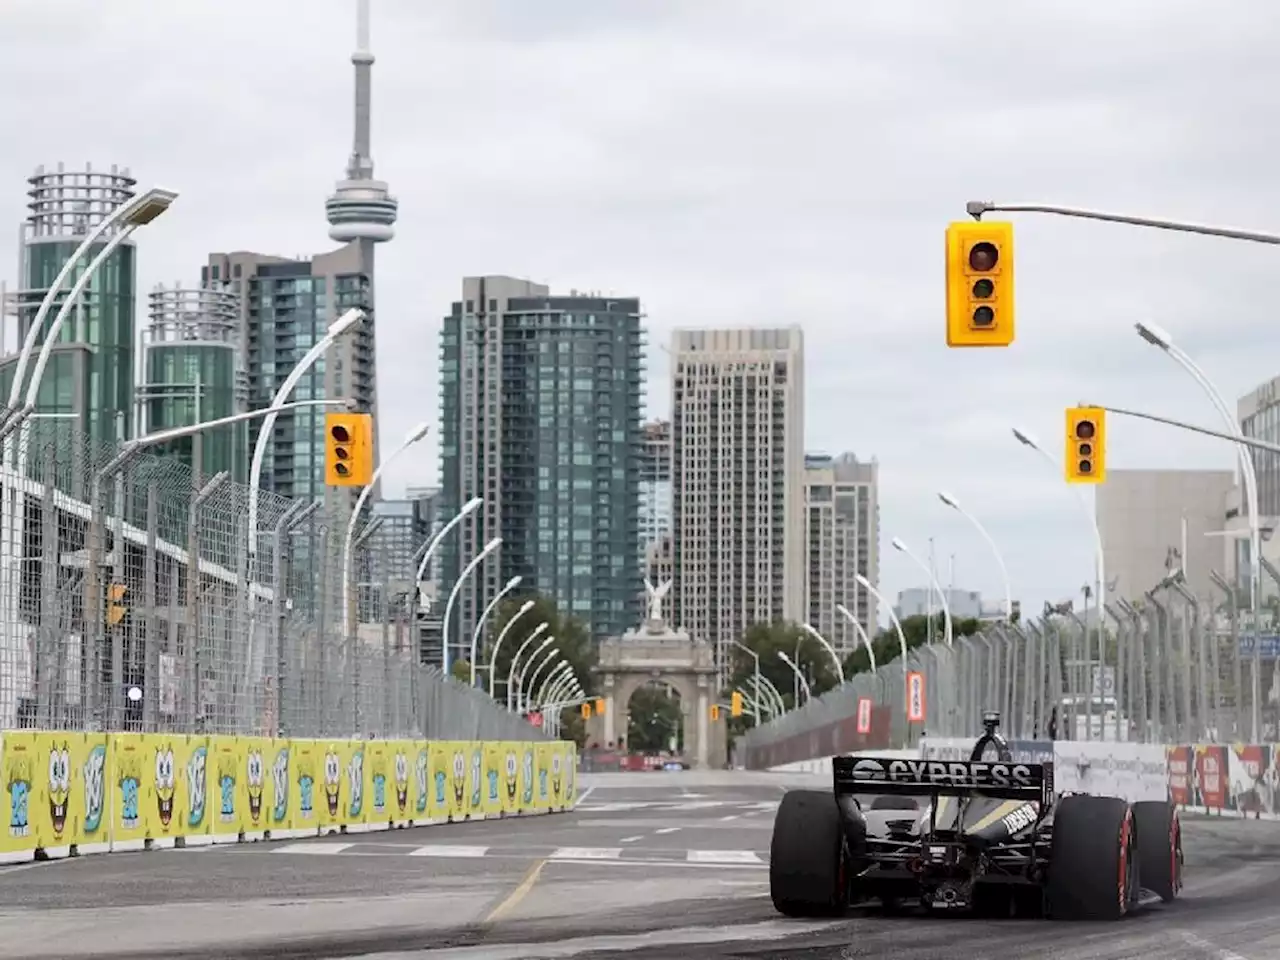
(656, 595)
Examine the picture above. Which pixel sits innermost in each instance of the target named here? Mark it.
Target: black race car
(983, 835)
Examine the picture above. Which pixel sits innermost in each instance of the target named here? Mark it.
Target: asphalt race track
(652, 866)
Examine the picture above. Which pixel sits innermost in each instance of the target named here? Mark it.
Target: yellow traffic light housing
(980, 284)
(586, 711)
(715, 711)
(599, 706)
(735, 704)
(116, 610)
(1086, 441)
(348, 449)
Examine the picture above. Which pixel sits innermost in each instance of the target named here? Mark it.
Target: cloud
(734, 162)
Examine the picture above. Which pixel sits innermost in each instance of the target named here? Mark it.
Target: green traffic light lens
(1085, 430)
(983, 256)
(341, 469)
(983, 289)
(1086, 466)
(984, 317)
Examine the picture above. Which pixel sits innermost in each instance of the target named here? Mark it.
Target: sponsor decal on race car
(947, 772)
(1020, 819)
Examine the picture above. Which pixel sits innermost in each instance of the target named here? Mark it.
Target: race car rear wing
(1005, 780)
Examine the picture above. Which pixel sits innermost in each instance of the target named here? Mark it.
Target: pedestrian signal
(735, 704)
(1086, 441)
(348, 449)
(715, 711)
(980, 284)
(586, 711)
(116, 610)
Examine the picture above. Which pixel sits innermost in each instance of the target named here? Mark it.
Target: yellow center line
(514, 898)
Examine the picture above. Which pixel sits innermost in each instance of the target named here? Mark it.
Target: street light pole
(484, 617)
(526, 689)
(470, 568)
(933, 581)
(1159, 338)
(538, 631)
(756, 657)
(835, 658)
(861, 631)
(502, 635)
(800, 678)
(951, 502)
(434, 543)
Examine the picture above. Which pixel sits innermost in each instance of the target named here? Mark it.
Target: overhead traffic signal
(348, 449)
(116, 610)
(599, 706)
(735, 704)
(1086, 453)
(715, 711)
(980, 284)
(586, 711)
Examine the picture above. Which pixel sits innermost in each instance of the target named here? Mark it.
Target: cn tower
(361, 208)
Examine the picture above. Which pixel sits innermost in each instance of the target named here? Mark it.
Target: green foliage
(916, 630)
(461, 671)
(767, 640)
(570, 639)
(655, 719)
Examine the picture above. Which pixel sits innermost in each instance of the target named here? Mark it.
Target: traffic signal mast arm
(976, 208)
(1246, 441)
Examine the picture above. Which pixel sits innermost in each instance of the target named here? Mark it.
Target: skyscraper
(655, 484)
(737, 475)
(193, 370)
(842, 532)
(540, 415)
(287, 305)
(89, 379)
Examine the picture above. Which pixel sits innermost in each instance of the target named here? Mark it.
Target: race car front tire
(1092, 867)
(806, 856)
(1159, 847)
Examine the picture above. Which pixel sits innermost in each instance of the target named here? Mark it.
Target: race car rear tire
(1159, 847)
(1092, 866)
(806, 856)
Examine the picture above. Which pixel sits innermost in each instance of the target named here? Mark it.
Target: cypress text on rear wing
(1003, 779)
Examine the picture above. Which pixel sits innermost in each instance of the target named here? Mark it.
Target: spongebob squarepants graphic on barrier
(306, 788)
(477, 779)
(280, 787)
(355, 785)
(402, 782)
(378, 776)
(512, 765)
(197, 773)
(420, 775)
(166, 783)
(59, 786)
(526, 772)
(459, 783)
(557, 772)
(95, 790)
(18, 780)
(332, 781)
(227, 787)
(130, 784)
(254, 777)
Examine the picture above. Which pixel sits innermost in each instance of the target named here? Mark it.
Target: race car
(984, 835)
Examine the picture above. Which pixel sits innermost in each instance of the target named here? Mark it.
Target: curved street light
(528, 679)
(1160, 338)
(484, 618)
(552, 679)
(804, 684)
(861, 631)
(336, 329)
(937, 587)
(348, 625)
(813, 632)
(951, 502)
(771, 693)
(558, 686)
(502, 635)
(515, 661)
(434, 543)
(893, 617)
(469, 569)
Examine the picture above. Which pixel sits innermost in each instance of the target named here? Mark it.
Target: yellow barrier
(92, 792)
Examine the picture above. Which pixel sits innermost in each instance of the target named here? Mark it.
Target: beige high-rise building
(842, 531)
(737, 477)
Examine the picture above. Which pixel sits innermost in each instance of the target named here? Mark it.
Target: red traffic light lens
(1085, 430)
(983, 256)
(340, 433)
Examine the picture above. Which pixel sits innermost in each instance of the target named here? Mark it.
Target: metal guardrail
(253, 644)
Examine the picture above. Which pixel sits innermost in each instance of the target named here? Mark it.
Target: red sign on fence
(915, 697)
(535, 719)
(864, 714)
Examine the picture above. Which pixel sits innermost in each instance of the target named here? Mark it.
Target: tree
(916, 630)
(461, 671)
(767, 640)
(655, 719)
(569, 639)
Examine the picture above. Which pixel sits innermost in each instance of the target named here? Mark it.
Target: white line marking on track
(1214, 951)
(320, 849)
(667, 830)
(586, 853)
(732, 816)
(630, 839)
(448, 850)
(584, 794)
(724, 856)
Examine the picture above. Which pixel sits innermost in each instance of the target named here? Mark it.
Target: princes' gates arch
(655, 651)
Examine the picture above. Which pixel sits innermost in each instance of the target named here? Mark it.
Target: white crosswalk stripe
(724, 856)
(448, 850)
(587, 853)
(633, 855)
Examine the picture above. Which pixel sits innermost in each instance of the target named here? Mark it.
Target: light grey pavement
(653, 866)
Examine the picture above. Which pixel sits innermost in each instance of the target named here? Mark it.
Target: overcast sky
(734, 162)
